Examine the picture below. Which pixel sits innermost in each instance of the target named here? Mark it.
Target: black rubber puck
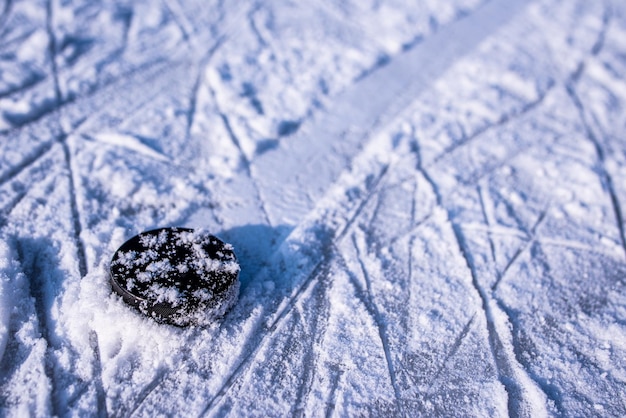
(176, 275)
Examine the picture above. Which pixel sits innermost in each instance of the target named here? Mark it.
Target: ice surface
(426, 200)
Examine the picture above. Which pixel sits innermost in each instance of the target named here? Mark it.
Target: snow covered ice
(426, 201)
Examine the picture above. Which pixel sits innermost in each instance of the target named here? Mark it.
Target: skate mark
(36, 175)
(361, 296)
(575, 245)
(509, 367)
(452, 352)
(31, 81)
(174, 10)
(603, 172)
(142, 395)
(255, 30)
(242, 379)
(157, 81)
(373, 189)
(478, 174)
(6, 11)
(193, 98)
(366, 297)
(130, 142)
(39, 153)
(599, 370)
(6, 211)
(78, 393)
(504, 120)
(34, 267)
(133, 75)
(175, 56)
(52, 112)
(316, 337)
(488, 217)
(335, 382)
(193, 101)
(320, 271)
(31, 159)
(97, 371)
(242, 155)
(411, 245)
(516, 402)
(414, 199)
(551, 392)
(555, 242)
(306, 381)
(382, 60)
(380, 189)
(505, 362)
(531, 237)
(510, 210)
(125, 15)
(498, 230)
(606, 20)
(52, 52)
(409, 286)
(289, 329)
(376, 211)
(380, 199)
(489, 221)
(595, 49)
(409, 233)
(338, 13)
(75, 213)
(330, 248)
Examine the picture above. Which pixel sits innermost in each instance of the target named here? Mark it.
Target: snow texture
(426, 200)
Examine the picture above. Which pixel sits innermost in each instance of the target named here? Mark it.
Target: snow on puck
(177, 275)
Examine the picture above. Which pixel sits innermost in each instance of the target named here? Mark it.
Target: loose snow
(426, 201)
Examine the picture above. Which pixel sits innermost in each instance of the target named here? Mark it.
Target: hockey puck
(176, 275)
